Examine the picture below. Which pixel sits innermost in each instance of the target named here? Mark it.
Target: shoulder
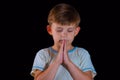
(43, 51)
(82, 51)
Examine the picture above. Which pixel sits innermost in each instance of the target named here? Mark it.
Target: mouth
(61, 41)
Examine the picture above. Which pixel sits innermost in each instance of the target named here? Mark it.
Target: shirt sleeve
(39, 62)
(86, 63)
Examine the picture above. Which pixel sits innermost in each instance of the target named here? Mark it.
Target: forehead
(55, 25)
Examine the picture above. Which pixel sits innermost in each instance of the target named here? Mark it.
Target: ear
(77, 29)
(49, 29)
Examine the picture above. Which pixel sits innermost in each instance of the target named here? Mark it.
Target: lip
(62, 40)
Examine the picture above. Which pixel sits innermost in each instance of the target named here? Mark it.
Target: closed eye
(59, 29)
(70, 30)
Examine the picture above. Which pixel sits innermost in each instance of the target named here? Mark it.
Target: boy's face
(62, 32)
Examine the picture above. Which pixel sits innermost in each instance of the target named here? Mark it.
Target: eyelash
(61, 30)
(70, 30)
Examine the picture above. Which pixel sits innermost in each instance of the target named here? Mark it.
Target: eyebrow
(68, 28)
(71, 28)
(59, 28)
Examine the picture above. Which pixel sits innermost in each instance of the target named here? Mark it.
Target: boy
(63, 61)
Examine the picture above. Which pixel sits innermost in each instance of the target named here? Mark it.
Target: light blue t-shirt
(79, 56)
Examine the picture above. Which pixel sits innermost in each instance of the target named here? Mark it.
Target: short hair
(64, 14)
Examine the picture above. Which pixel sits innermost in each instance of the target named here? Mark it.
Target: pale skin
(63, 37)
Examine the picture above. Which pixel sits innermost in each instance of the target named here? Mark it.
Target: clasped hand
(62, 56)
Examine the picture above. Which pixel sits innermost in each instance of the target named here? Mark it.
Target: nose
(64, 34)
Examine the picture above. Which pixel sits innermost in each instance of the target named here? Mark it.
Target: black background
(24, 33)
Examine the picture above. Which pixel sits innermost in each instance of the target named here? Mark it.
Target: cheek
(56, 36)
(71, 37)
(72, 34)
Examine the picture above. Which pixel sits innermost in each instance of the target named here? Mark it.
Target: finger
(61, 47)
(65, 49)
